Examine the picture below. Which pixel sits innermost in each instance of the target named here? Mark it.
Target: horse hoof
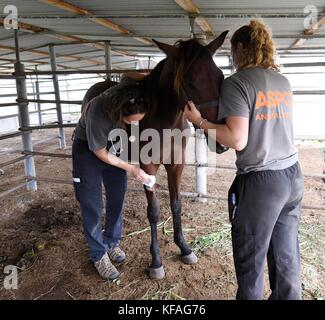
(190, 258)
(156, 273)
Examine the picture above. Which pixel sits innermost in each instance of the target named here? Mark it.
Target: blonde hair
(258, 48)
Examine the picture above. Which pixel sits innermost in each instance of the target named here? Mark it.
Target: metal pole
(67, 91)
(39, 111)
(62, 142)
(201, 158)
(192, 19)
(108, 58)
(23, 116)
(149, 60)
(231, 64)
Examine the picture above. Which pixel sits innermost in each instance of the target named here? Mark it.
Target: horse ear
(169, 50)
(217, 43)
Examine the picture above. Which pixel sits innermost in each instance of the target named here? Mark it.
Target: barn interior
(51, 52)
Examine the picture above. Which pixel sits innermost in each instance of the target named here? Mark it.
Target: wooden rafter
(36, 29)
(101, 21)
(62, 36)
(65, 37)
(190, 7)
(309, 32)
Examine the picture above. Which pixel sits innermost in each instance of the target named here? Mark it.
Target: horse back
(96, 90)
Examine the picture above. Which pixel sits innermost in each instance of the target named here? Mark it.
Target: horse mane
(152, 88)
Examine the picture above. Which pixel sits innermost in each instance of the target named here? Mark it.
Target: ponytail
(258, 46)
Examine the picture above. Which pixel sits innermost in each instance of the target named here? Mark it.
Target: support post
(201, 158)
(149, 61)
(231, 64)
(192, 20)
(108, 58)
(38, 97)
(62, 142)
(23, 116)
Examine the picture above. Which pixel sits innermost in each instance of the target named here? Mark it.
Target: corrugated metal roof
(163, 20)
(259, 6)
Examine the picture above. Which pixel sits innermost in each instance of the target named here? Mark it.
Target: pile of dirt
(39, 228)
(46, 218)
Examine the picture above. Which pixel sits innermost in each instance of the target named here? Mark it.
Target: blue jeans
(88, 174)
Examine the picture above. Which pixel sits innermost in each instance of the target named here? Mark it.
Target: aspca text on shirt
(273, 105)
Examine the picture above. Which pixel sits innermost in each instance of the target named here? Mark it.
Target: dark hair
(126, 100)
(258, 46)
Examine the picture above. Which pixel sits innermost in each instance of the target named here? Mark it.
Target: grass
(219, 239)
(312, 241)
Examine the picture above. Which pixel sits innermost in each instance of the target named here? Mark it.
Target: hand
(192, 113)
(139, 174)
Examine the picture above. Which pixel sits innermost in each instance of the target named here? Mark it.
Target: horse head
(195, 76)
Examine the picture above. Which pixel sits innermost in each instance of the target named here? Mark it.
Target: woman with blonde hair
(265, 197)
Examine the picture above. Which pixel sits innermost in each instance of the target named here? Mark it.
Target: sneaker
(106, 269)
(116, 254)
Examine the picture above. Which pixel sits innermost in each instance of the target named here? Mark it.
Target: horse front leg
(156, 269)
(174, 173)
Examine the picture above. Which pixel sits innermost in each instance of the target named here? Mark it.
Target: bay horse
(187, 73)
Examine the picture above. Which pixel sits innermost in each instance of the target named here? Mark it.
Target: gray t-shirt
(94, 124)
(265, 97)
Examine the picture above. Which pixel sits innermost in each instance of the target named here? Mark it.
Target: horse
(187, 73)
(97, 89)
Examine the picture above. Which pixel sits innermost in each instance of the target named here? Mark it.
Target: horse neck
(162, 98)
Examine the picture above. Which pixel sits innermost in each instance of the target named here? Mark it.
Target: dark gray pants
(265, 225)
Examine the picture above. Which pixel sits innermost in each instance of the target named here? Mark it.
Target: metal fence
(25, 130)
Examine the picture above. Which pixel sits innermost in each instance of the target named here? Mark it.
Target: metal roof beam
(220, 13)
(45, 54)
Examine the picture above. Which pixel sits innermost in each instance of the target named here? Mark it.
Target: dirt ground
(40, 232)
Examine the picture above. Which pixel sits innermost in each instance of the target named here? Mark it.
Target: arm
(234, 133)
(109, 158)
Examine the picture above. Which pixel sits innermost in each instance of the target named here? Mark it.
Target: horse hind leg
(174, 174)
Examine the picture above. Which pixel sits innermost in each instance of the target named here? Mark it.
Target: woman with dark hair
(265, 197)
(93, 164)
